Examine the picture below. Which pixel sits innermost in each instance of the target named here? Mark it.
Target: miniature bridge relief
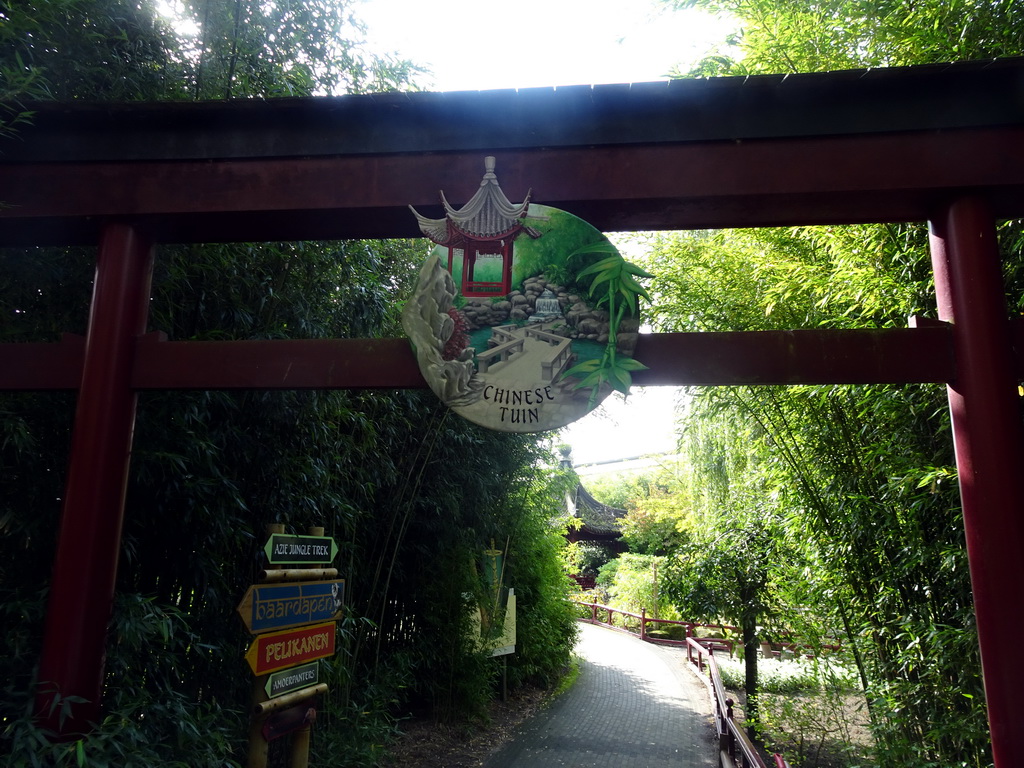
(532, 347)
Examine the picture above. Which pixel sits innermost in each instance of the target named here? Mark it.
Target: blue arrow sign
(279, 606)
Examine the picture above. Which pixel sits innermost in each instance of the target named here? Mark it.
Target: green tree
(733, 567)
(869, 470)
(657, 503)
(658, 525)
(112, 50)
(635, 583)
(801, 36)
(873, 465)
(726, 575)
(409, 492)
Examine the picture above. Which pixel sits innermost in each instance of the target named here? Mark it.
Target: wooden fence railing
(712, 635)
(735, 750)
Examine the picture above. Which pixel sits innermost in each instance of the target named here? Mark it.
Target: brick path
(634, 705)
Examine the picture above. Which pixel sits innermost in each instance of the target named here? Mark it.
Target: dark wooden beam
(884, 100)
(796, 357)
(293, 364)
(42, 366)
(679, 359)
(768, 182)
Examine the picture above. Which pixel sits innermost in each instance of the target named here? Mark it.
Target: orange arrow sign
(280, 650)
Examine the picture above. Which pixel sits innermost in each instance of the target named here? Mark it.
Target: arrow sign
(286, 549)
(279, 650)
(279, 606)
(294, 679)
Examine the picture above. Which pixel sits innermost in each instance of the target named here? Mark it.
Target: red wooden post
(730, 739)
(983, 400)
(89, 539)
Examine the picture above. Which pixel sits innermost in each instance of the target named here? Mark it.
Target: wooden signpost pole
(300, 746)
(258, 746)
(293, 632)
(301, 738)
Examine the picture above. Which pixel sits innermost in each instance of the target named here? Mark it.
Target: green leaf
(635, 270)
(595, 379)
(633, 285)
(600, 247)
(605, 276)
(605, 265)
(619, 379)
(630, 298)
(586, 366)
(631, 364)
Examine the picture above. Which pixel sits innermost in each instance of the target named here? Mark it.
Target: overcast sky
(489, 44)
(483, 44)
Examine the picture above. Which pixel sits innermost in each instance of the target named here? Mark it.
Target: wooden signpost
(292, 614)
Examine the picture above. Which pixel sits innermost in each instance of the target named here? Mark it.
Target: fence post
(729, 738)
(643, 623)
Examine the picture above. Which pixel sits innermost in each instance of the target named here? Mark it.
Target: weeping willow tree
(868, 471)
(872, 466)
(734, 567)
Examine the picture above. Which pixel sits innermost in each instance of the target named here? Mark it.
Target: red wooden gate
(937, 144)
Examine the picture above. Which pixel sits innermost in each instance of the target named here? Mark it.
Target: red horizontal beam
(32, 366)
(680, 359)
(280, 364)
(874, 356)
(765, 182)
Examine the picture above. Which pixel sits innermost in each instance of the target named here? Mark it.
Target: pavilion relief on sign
(519, 320)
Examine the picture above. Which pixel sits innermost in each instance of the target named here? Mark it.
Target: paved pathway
(635, 705)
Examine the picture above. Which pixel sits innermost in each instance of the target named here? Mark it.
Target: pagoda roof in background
(598, 519)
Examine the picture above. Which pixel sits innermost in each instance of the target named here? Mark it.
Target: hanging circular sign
(524, 317)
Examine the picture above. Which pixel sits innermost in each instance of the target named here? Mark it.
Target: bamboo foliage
(867, 472)
(410, 494)
(873, 465)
